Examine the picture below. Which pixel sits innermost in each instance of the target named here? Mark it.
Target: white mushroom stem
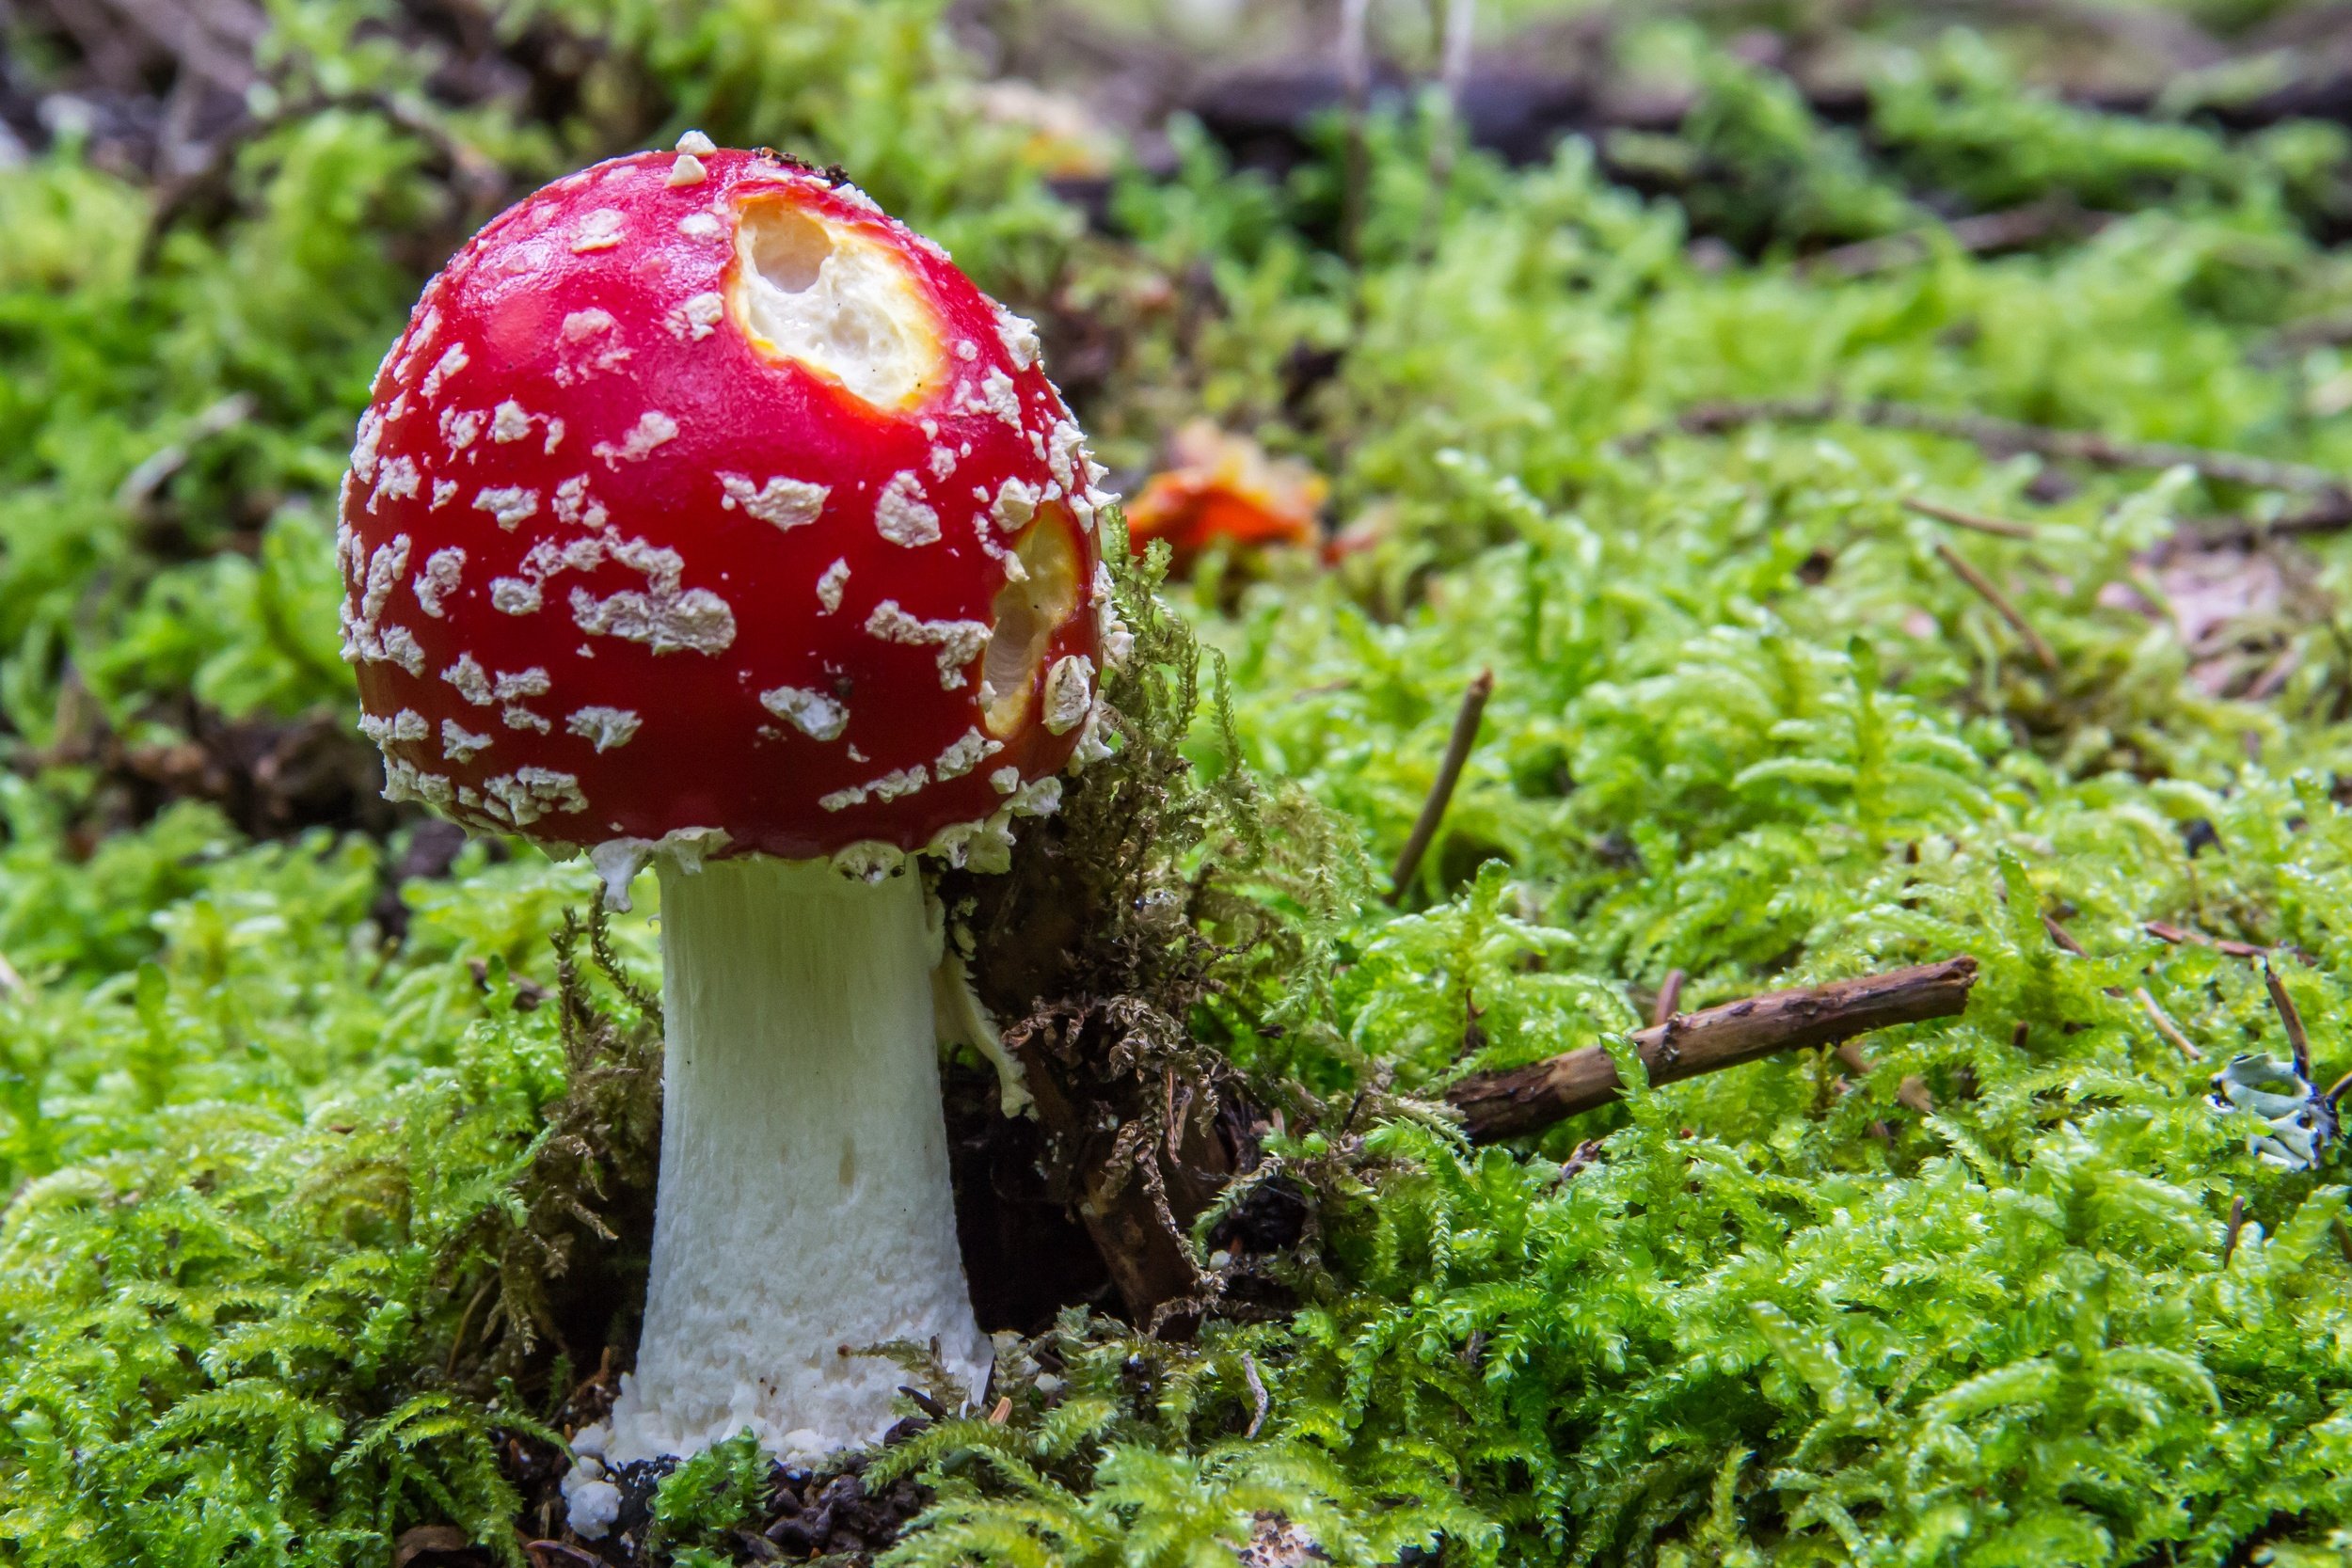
(803, 1213)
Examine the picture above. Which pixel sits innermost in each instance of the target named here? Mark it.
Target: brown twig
(2180, 936)
(1999, 527)
(2011, 228)
(1526, 1100)
(1669, 997)
(2064, 938)
(1355, 89)
(2002, 605)
(2290, 1020)
(2164, 1027)
(2237, 1223)
(1457, 750)
(2331, 514)
(1257, 1392)
(2003, 438)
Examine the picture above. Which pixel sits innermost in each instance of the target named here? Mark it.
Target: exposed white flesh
(803, 1204)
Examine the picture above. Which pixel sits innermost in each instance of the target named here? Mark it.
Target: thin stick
(2001, 527)
(1529, 1098)
(2009, 229)
(1355, 86)
(2181, 936)
(2331, 514)
(2044, 654)
(1460, 19)
(2237, 1223)
(2166, 1027)
(2064, 938)
(1669, 997)
(1257, 1391)
(1457, 750)
(2002, 436)
(2290, 1019)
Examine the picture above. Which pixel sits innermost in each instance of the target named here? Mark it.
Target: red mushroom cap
(700, 494)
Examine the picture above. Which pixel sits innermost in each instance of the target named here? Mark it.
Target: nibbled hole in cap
(789, 249)
(1026, 615)
(837, 300)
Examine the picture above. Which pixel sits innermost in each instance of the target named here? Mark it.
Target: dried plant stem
(2010, 229)
(1529, 1098)
(2181, 936)
(1669, 997)
(2002, 605)
(1355, 86)
(1457, 750)
(1975, 521)
(2165, 1025)
(2291, 1020)
(1257, 1392)
(2002, 437)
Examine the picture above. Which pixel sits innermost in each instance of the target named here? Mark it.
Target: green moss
(295, 1196)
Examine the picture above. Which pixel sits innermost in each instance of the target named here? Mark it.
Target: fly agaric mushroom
(706, 514)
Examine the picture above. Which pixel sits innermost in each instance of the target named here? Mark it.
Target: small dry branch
(1529, 1098)
(2002, 604)
(1457, 750)
(2004, 438)
(1975, 522)
(2181, 936)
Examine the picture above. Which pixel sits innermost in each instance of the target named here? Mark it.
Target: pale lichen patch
(509, 422)
(396, 479)
(514, 595)
(592, 342)
(460, 427)
(452, 360)
(438, 579)
(665, 617)
(599, 230)
(829, 586)
(470, 679)
(958, 642)
(902, 516)
(1018, 336)
(694, 319)
(1069, 692)
(964, 755)
(816, 714)
(605, 727)
(458, 743)
(653, 428)
(509, 504)
(510, 686)
(786, 503)
(1016, 504)
(574, 506)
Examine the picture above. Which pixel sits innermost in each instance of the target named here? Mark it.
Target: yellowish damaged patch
(838, 299)
(1027, 611)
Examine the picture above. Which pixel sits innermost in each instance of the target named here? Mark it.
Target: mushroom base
(804, 1216)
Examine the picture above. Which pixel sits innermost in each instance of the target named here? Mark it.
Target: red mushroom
(705, 513)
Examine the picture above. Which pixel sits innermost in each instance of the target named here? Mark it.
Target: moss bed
(325, 1137)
